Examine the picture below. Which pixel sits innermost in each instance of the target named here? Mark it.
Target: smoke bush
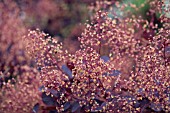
(123, 65)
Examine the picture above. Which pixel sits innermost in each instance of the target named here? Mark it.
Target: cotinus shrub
(122, 65)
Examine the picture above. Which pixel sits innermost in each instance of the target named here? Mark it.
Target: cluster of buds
(122, 65)
(20, 95)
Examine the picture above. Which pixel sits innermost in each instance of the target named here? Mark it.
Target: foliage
(122, 64)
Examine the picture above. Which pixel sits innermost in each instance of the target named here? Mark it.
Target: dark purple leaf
(167, 50)
(36, 108)
(115, 73)
(156, 107)
(53, 111)
(75, 107)
(47, 99)
(98, 109)
(55, 93)
(105, 58)
(66, 105)
(41, 88)
(67, 71)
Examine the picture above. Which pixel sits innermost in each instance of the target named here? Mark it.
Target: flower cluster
(122, 66)
(21, 94)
